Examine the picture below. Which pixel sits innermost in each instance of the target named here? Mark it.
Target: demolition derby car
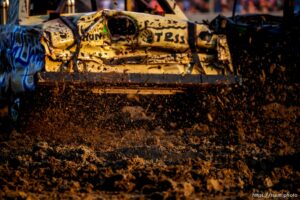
(147, 46)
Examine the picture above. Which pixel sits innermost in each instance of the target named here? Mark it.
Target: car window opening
(121, 26)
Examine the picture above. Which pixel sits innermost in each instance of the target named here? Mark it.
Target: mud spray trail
(236, 141)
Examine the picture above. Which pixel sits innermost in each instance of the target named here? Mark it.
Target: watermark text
(268, 195)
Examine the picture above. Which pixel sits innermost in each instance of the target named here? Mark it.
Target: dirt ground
(237, 142)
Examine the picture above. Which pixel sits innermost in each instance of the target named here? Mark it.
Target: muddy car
(110, 47)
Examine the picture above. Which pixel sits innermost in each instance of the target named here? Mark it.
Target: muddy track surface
(235, 142)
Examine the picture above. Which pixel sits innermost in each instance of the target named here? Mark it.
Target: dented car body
(110, 50)
(127, 42)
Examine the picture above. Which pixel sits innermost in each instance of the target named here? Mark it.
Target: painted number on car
(170, 37)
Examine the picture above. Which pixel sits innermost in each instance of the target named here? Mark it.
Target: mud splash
(232, 142)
